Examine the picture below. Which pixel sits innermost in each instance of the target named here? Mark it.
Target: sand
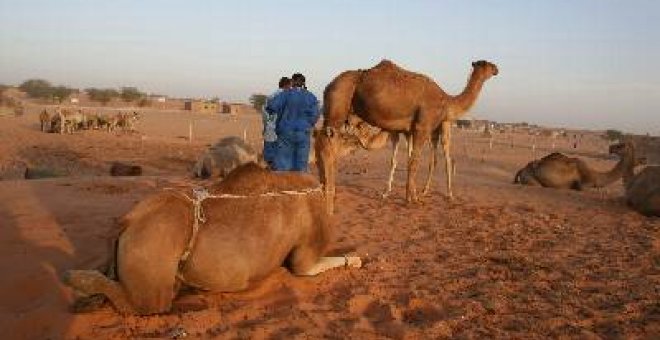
(499, 261)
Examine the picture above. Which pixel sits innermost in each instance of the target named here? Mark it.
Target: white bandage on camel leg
(326, 263)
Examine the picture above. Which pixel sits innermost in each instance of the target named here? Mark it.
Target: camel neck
(462, 102)
(620, 170)
(628, 173)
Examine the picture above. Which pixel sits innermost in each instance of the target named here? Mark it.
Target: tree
(613, 135)
(129, 94)
(60, 93)
(102, 95)
(37, 88)
(258, 101)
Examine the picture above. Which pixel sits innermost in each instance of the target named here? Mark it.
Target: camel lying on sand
(395, 100)
(642, 190)
(559, 171)
(223, 157)
(170, 239)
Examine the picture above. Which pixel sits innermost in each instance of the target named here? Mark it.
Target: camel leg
(326, 263)
(418, 140)
(393, 161)
(91, 282)
(446, 143)
(432, 162)
(326, 163)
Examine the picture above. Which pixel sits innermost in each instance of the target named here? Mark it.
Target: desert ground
(498, 261)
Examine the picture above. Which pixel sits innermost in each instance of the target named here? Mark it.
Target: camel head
(626, 148)
(339, 142)
(485, 69)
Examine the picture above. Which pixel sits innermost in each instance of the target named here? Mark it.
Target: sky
(573, 63)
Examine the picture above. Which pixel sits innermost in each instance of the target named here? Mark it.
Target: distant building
(202, 106)
(235, 109)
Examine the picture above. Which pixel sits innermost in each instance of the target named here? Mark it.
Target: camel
(642, 190)
(44, 119)
(223, 157)
(170, 239)
(372, 138)
(107, 122)
(557, 170)
(396, 100)
(70, 121)
(127, 121)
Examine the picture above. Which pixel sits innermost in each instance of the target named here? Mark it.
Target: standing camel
(372, 138)
(44, 119)
(395, 100)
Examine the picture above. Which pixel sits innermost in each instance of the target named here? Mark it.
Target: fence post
(190, 131)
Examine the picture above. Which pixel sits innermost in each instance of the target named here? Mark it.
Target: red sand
(499, 261)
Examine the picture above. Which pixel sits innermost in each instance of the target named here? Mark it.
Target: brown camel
(371, 138)
(170, 239)
(562, 172)
(44, 119)
(642, 190)
(395, 100)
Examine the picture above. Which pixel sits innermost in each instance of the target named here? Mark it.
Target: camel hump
(252, 179)
(386, 64)
(555, 156)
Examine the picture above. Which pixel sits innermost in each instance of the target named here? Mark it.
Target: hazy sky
(582, 63)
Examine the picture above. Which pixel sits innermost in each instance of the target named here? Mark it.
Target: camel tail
(338, 98)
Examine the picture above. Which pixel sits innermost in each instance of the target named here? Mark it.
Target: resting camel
(171, 239)
(562, 172)
(642, 190)
(223, 157)
(395, 100)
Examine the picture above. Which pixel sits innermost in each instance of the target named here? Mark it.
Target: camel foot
(385, 195)
(353, 262)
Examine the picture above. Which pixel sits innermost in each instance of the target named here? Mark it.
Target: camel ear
(474, 64)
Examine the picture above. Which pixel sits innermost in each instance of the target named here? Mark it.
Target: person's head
(284, 83)
(298, 80)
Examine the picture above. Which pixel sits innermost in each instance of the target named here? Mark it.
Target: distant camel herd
(254, 220)
(67, 120)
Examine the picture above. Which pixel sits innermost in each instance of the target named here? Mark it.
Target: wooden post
(190, 131)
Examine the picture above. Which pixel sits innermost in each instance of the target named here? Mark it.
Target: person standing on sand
(297, 111)
(270, 120)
